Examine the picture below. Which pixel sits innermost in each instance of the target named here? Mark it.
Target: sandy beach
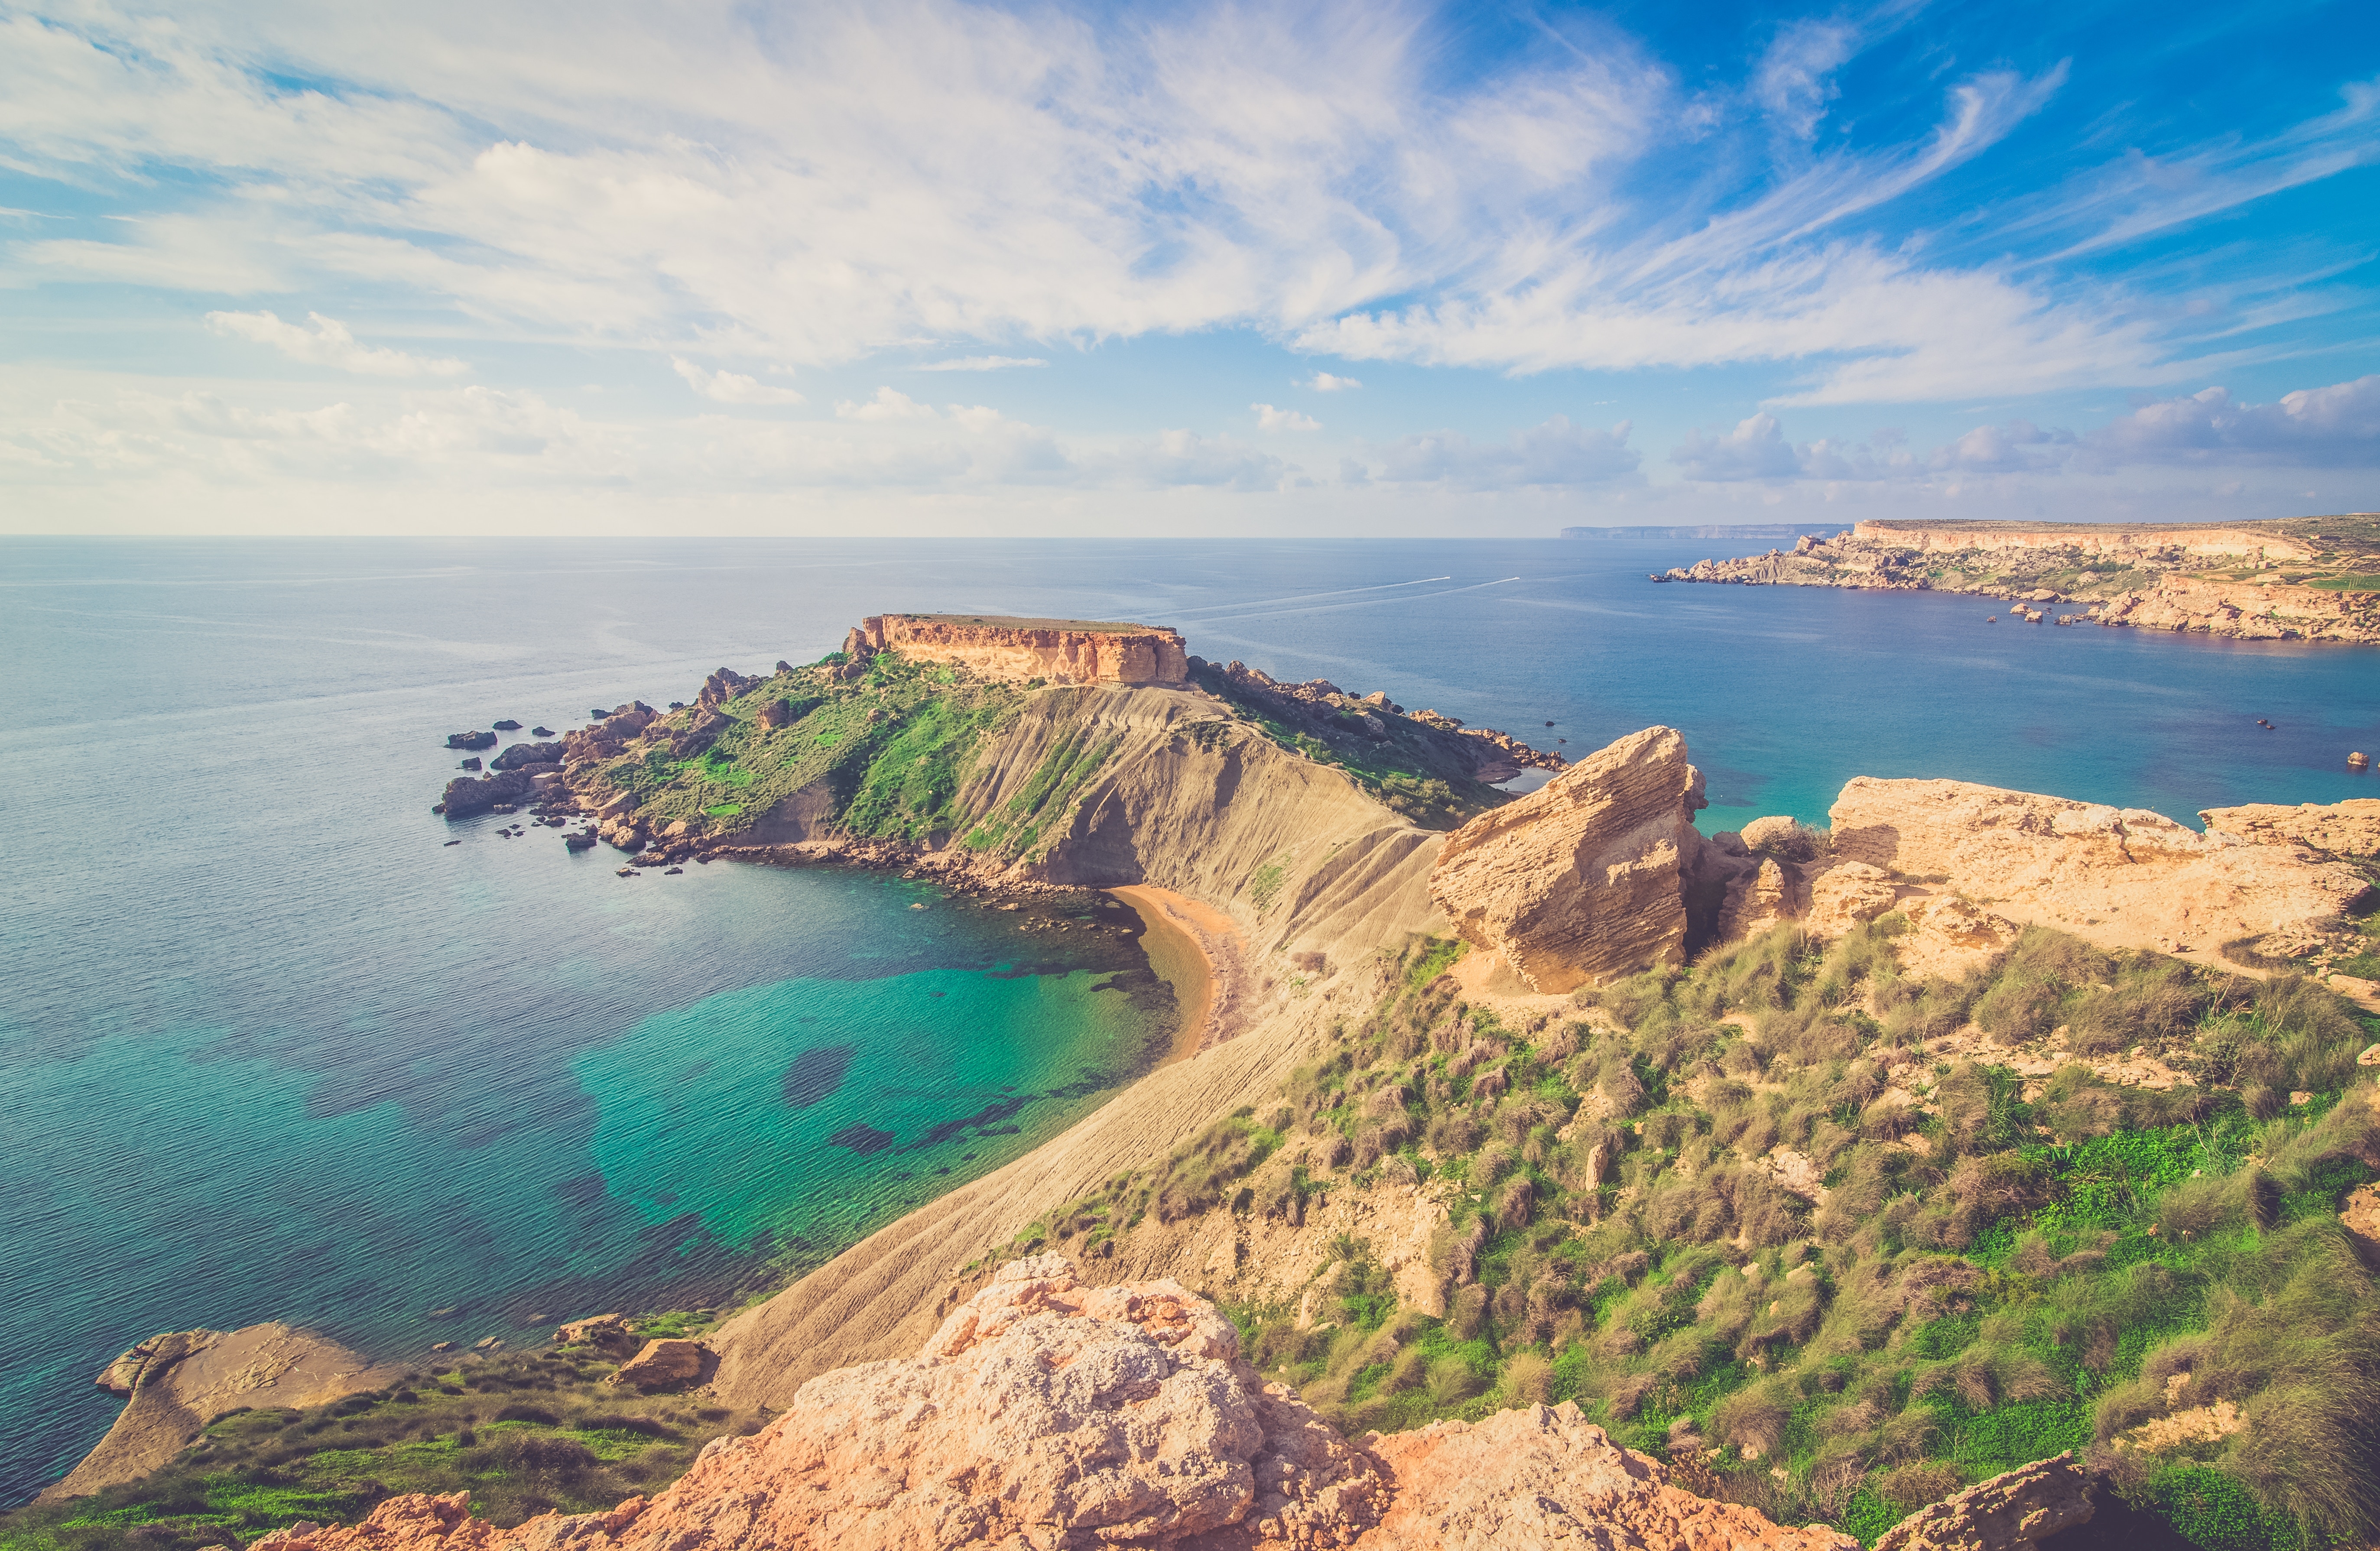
(1193, 948)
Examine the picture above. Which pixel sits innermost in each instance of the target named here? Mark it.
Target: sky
(916, 267)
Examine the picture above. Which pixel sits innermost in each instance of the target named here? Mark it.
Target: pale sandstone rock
(1544, 1478)
(1062, 651)
(2118, 877)
(181, 1380)
(1582, 881)
(1047, 1415)
(1782, 836)
(2348, 828)
(1760, 899)
(664, 1363)
(2005, 1513)
(608, 1331)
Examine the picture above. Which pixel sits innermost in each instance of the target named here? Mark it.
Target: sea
(270, 1047)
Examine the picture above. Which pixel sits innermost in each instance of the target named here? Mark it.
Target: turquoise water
(269, 1049)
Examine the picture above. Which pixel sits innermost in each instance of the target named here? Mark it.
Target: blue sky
(920, 267)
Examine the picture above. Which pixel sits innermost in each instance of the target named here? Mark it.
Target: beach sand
(1192, 948)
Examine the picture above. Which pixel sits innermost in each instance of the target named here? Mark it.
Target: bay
(269, 1049)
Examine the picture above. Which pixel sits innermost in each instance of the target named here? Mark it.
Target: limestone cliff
(1048, 1414)
(2315, 579)
(1583, 879)
(1054, 650)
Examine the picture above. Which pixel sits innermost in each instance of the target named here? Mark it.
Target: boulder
(665, 1364)
(1046, 1414)
(774, 714)
(1582, 881)
(471, 740)
(518, 754)
(607, 1332)
(465, 796)
(2009, 1512)
(541, 732)
(507, 726)
(472, 763)
(1780, 836)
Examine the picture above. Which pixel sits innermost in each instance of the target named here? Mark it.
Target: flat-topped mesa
(1059, 650)
(2094, 538)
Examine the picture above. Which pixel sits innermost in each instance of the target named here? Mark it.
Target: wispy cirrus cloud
(330, 343)
(731, 387)
(983, 363)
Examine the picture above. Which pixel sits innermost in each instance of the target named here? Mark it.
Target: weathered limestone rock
(1784, 837)
(1047, 1415)
(607, 1332)
(1062, 651)
(1581, 879)
(466, 795)
(1548, 1478)
(518, 754)
(471, 740)
(2348, 828)
(2006, 1513)
(180, 1381)
(2121, 878)
(1764, 897)
(665, 1364)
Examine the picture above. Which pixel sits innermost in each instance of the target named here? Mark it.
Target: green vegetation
(2347, 583)
(1755, 1223)
(891, 747)
(523, 1434)
(1424, 772)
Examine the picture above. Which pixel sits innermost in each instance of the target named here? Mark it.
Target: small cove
(273, 1050)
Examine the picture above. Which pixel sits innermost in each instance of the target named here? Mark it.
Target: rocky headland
(175, 1383)
(2311, 579)
(1569, 1176)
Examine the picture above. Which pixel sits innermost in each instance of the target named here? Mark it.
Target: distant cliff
(1019, 651)
(2315, 579)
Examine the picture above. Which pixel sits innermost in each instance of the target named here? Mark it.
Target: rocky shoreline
(2275, 582)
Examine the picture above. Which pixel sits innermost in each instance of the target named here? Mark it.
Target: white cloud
(1270, 418)
(1211, 167)
(890, 404)
(329, 342)
(730, 387)
(1794, 81)
(982, 363)
(1556, 452)
(2337, 426)
(1324, 383)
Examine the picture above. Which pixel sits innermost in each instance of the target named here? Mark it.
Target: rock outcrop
(519, 755)
(178, 1382)
(665, 1364)
(1057, 650)
(1583, 880)
(2009, 1512)
(467, 795)
(1049, 1415)
(2118, 877)
(471, 740)
(2348, 828)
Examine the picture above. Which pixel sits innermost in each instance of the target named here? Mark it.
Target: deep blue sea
(269, 1049)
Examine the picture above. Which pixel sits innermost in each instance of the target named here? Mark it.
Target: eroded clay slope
(1049, 1414)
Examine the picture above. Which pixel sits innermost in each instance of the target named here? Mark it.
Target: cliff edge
(1050, 1414)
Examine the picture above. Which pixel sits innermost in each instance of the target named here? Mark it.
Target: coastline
(1188, 945)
